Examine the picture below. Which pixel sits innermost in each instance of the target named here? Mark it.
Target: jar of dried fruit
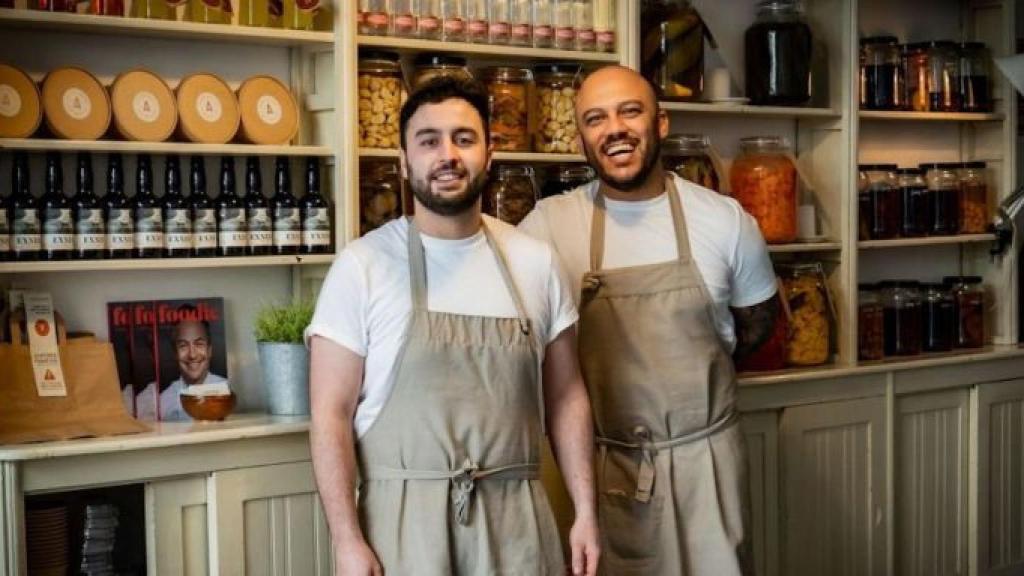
(511, 194)
(508, 90)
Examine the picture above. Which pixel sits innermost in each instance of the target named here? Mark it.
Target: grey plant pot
(285, 377)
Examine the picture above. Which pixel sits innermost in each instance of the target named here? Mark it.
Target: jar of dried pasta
(810, 311)
(508, 90)
(381, 91)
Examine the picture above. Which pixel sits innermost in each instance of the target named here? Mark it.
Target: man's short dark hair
(444, 88)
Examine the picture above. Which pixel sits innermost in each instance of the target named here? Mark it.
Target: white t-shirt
(365, 303)
(726, 243)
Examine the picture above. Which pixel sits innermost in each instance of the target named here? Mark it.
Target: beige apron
(672, 492)
(449, 468)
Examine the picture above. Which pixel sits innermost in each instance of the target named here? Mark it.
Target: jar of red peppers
(764, 182)
(969, 299)
(870, 323)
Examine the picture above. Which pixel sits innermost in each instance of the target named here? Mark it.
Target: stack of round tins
(76, 105)
(20, 109)
(269, 113)
(144, 107)
(207, 109)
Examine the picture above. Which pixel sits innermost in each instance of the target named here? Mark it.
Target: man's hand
(585, 544)
(356, 559)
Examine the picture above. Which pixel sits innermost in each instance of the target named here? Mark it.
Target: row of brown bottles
(55, 227)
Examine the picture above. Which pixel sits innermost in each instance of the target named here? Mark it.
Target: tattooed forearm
(754, 326)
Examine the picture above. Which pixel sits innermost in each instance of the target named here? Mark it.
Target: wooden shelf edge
(540, 157)
(925, 241)
(163, 263)
(47, 144)
(748, 110)
(489, 50)
(930, 116)
(797, 247)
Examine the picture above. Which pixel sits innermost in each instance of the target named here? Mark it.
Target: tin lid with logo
(207, 109)
(76, 105)
(20, 108)
(144, 107)
(269, 112)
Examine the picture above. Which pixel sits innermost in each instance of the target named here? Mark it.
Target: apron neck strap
(597, 225)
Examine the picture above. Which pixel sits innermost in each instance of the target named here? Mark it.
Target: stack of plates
(98, 539)
(46, 531)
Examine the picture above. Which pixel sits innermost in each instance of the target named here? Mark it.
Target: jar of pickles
(943, 198)
(870, 323)
(810, 310)
(562, 179)
(430, 66)
(556, 96)
(764, 182)
(380, 194)
(969, 298)
(881, 74)
(913, 202)
(943, 73)
(939, 314)
(880, 203)
(511, 194)
(975, 89)
(689, 156)
(672, 58)
(507, 89)
(973, 198)
(915, 71)
(380, 99)
(901, 312)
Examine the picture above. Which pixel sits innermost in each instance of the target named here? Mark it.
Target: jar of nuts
(507, 88)
(381, 92)
(556, 96)
(810, 311)
(511, 194)
(430, 66)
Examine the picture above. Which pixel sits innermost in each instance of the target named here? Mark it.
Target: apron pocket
(631, 528)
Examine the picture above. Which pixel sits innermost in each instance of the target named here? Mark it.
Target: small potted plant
(284, 358)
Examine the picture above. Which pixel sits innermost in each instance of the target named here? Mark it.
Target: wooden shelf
(930, 116)
(407, 45)
(141, 27)
(804, 247)
(534, 157)
(162, 263)
(710, 108)
(927, 241)
(44, 144)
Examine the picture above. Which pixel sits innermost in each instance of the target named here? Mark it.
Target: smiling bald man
(673, 280)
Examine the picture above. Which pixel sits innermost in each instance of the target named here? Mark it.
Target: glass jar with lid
(430, 66)
(453, 20)
(543, 23)
(880, 210)
(374, 17)
(870, 323)
(943, 73)
(583, 18)
(477, 20)
(969, 296)
(380, 194)
(428, 20)
(810, 314)
(901, 312)
(975, 77)
(555, 99)
(974, 216)
(916, 72)
(764, 181)
(939, 315)
(381, 92)
(521, 23)
(863, 206)
(565, 177)
(689, 156)
(778, 55)
(672, 34)
(562, 17)
(881, 74)
(508, 89)
(913, 202)
(404, 15)
(511, 194)
(498, 15)
(605, 15)
(943, 198)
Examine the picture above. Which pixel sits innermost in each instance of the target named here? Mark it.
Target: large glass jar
(772, 354)
(499, 15)
(562, 17)
(477, 20)
(916, 72)
(556, 95)
(543, 23)
(689, 156)
(430, 66)
(870, 323)
(880, 202)
(511, 194)
(583, 17)
(943, 198)
(380, 194)
(778, 55)
(901, 310)
(969, 296)
(943, 73)
(672, 48)
(520, 23)
(428, 20)
(604, 25)
(881, 74)
(764, 182)
(975, 77)
(939, 315)
(563, 178)
(508, 89)
(810, 309)
(973, 198)
(380, 99)
(404, 14)
(913, 202)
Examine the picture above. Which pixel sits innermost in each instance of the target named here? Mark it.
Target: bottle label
(478, 27)
(543, 31)
(307, 5)
(429, 23)
(149, 228)
(76, 103)
(5, 243)
(360, 17)
(10, 101)
(233, 233)
(176, 3)
(565, 33)
(498, 28)
(377, 19)
(405, 22)
(178, 229)
(260, 227)
(208, 107)
(586, 35)
(89, 230)
(287, 227)
(606, 37)
(204, 228)
(26, 230)
(146, 106)
(316, 229)
(454, 25)
(4, 223)
(268, 109)
(58, 229)
(120, 229)
(521, 31)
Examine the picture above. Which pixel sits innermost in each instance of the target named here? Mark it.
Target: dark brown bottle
(149, 218)
(316, 213)
(204, 213)
(117, 211)
(232, 233)
(177, 214)
(90, 229)
(26, 220)
(58, 222)
(257, 211)
(285, 211)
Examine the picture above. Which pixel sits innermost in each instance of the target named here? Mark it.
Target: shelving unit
(526, 157)
(927, 241)
(799, 247)
(164, 263)
(485, 51)
(746, 110)
(931, 116)
(46, 144)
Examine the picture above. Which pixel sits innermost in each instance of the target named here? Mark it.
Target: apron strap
(517, 299)
(417, 268)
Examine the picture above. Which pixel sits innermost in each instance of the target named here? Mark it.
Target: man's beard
(450, 206)
(651, 157)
